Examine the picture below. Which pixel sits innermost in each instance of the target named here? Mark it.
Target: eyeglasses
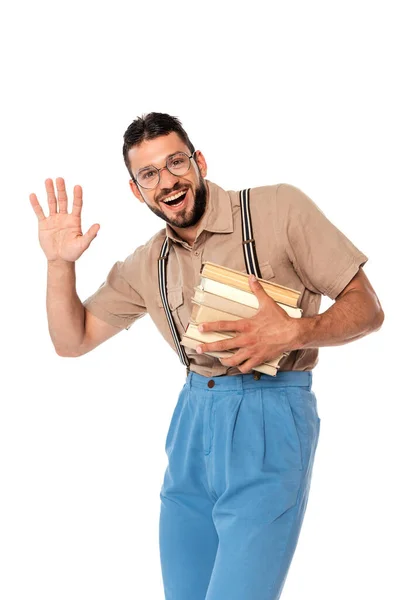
(177, 164)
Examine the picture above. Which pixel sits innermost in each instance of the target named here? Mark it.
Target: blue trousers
(240, 457)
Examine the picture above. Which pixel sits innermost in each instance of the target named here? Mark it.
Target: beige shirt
(296, 245)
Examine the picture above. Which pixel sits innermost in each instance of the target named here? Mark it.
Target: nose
(167, 179)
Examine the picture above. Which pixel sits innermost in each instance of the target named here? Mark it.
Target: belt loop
(189, 378)
(239, 380)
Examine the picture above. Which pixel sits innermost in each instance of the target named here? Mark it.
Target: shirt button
(211, 383)
(196, 253)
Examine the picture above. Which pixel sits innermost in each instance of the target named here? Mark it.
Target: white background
(297, 92)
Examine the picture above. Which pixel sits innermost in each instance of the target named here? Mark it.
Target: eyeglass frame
(165, 167)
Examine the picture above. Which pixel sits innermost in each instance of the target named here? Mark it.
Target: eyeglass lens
(178, 164)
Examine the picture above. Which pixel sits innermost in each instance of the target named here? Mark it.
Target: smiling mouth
(177, 199)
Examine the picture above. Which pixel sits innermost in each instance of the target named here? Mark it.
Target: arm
(65, 312)
(74, 331)
(271, 331)
(325, 261)
(355, 313)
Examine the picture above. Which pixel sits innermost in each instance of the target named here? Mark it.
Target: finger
(258, 291)
(51, 197)
(237, 359)
(36, 207)
(77, 203)
(249, 365)
(250, 362)
(89, 236)
(229, 344)
(62, 195)
(224, 326)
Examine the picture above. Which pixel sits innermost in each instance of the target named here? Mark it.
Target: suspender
(250, 259)
(162, 281)
(250, 256)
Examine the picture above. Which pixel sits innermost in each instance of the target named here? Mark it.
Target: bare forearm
(65, 312)
(351, 317)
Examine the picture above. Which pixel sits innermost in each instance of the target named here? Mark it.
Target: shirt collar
(217, 217)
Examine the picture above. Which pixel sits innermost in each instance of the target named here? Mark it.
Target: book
(191, 343)
(202, 313)
(220, 303)
(192, 332)
(240, 281)
(240, 295)
(224, 294)
(207, 314)
(264, 368)
(243, 311)
(207, 337)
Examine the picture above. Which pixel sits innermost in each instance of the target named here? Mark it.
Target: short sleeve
(118, 301)
(323, 257)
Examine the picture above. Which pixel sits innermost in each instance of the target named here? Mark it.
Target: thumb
(89, 236)
(257, 289)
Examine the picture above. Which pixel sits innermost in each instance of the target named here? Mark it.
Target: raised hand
(60, 234)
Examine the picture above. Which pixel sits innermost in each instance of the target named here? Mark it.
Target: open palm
(60, 234)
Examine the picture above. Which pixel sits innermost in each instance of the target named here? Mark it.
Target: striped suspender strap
(162, 284)
(250, 256)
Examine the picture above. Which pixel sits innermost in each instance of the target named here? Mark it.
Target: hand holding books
(222, 300)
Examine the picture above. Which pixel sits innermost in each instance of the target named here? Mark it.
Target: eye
(147, 174)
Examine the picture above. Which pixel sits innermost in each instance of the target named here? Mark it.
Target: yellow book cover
(228, 305)
(240, 280)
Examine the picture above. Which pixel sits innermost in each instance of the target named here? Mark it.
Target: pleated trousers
(240, 458)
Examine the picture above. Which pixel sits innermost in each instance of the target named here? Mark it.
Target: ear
(135, 190)
(201, 163)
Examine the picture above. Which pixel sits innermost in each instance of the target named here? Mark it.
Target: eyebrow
(166, 158)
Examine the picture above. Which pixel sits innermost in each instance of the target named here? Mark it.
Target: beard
(189, 217)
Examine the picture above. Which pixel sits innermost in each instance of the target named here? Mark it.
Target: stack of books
(225, 295)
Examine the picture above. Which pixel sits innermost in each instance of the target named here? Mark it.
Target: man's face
(189, 210)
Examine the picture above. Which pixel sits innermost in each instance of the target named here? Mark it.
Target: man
(240, 448)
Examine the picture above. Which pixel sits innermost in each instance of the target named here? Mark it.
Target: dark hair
(150, 126)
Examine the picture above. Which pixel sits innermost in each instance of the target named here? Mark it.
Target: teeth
(178, 195)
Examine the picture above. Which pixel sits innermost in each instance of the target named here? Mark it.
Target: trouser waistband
(246, 380)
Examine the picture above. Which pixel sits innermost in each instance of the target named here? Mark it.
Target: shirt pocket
(175, 302)
(267, 271)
